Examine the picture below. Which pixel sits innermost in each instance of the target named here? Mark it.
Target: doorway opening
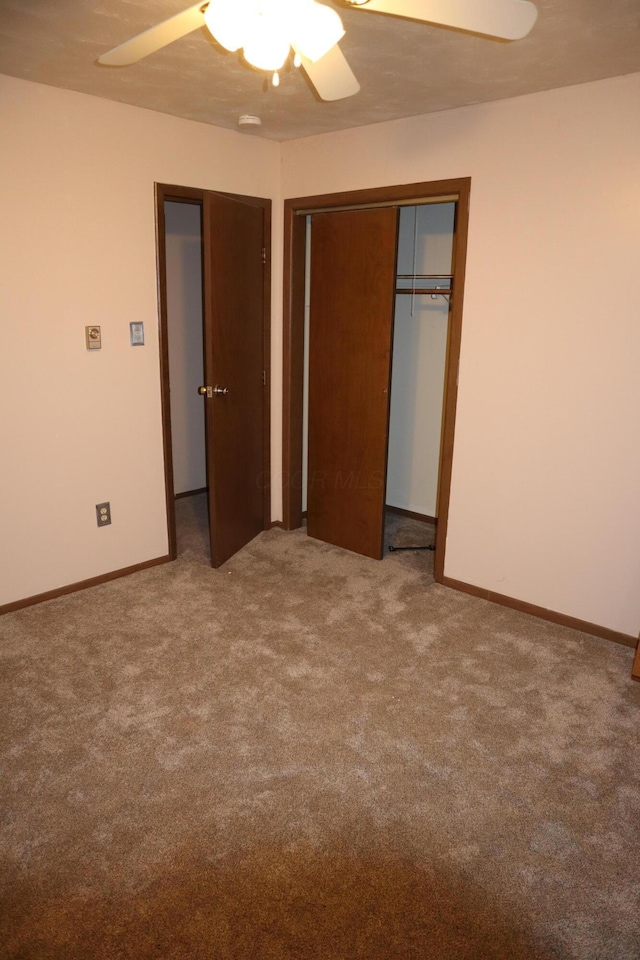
(424, 280)
(419, 421)
(185, 346)
(213, 253)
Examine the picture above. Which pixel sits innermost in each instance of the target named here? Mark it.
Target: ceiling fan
(268, 30)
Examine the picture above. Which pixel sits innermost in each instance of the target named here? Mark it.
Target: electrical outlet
(103, 513)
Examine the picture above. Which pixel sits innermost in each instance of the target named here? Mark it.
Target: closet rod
(419, 291)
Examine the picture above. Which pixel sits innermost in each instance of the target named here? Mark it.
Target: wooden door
(234, 366)
(353, 268)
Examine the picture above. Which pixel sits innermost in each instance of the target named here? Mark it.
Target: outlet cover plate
(103, 514)
(136, 333)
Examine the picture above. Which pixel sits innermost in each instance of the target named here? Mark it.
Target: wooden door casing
(295, 210)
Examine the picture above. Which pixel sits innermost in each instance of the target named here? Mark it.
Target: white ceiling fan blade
(331, 75)
(155, 38)
(505, 19)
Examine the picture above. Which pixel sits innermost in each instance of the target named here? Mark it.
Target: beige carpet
(307, 754)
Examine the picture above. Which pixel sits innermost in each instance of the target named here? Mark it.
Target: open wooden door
(234, 367)
(353, 268)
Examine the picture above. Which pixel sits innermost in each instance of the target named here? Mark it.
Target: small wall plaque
(93, 338)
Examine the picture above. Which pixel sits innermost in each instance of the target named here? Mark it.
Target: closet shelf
(430, 288)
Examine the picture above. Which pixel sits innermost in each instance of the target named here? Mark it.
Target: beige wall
(545, 503)
(545, 500)
(78, 247)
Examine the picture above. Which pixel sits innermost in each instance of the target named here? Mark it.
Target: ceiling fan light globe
(228, 21)
(315, 30)
(266, 46)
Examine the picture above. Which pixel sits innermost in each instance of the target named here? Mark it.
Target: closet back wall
(419, 356)
(184, 324)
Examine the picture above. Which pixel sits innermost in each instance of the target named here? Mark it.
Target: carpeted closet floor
(308, 754)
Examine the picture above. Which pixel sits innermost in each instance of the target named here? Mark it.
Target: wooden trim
(635, 670)
(542, 613)
(190, 493)
(276, 523)
(382, 196)
(293, 334)
(83, 584)
(452, 364)
(293, 365)
(266, 359)
(412, 201)
(163, 193)
(180, 194)
(422, 517)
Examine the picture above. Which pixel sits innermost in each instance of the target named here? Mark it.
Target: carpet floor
(308, 754)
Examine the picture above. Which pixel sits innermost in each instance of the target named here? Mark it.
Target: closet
(377, 301)
(423, 293)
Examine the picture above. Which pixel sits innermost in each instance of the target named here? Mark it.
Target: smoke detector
(247, 122)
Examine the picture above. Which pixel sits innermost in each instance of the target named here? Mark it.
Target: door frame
(293, 333)
(179, 194)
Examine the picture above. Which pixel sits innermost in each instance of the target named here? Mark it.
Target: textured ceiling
(404, 68)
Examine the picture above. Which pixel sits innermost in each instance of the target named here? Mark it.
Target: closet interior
(183, 250)
(423, 293)
(424, 283)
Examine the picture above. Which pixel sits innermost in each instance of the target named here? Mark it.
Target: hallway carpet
(308, 754)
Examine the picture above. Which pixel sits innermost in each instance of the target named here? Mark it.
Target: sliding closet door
(353, 265)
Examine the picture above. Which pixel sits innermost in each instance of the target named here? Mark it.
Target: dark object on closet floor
(395, 549)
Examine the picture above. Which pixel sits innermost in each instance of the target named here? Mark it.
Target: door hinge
(264, 378)
(264, 254)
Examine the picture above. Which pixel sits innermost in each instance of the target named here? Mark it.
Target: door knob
(211, 391)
